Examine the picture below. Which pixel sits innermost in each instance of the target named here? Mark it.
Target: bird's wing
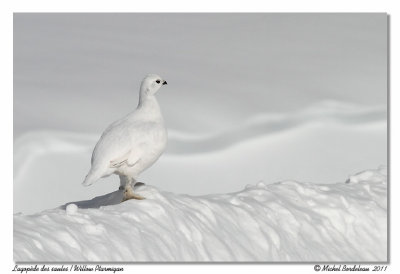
(130, 158)
(121, 143)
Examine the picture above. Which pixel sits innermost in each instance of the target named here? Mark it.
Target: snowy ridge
(36, 143)
(268, 124)
(284, 221)
(268, 146)
(327, 111)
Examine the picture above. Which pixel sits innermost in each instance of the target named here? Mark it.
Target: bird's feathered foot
(129, 194)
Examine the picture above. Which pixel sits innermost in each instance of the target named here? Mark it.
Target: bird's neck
(149, 105)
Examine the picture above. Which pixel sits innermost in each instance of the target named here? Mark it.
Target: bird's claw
(129, 194)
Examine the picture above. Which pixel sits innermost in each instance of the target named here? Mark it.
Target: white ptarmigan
(131, 144)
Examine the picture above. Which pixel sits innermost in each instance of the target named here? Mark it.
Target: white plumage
(131, 144)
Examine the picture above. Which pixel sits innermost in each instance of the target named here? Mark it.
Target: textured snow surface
(284, 221)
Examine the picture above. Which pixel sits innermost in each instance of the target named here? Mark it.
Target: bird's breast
(153, 141)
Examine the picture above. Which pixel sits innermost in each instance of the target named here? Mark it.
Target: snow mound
(284, 221)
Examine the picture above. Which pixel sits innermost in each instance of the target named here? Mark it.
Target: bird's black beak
(164, 83)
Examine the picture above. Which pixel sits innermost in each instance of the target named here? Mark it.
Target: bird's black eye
(158, 81)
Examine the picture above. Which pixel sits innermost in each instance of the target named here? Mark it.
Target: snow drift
(284, 221)
(321, 143)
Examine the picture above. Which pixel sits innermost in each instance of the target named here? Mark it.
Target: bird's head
(151, 84)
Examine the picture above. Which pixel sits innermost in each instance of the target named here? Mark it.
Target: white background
(98, 6)
(251, 97)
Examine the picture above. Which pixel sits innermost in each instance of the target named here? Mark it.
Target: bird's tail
(90, 179)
